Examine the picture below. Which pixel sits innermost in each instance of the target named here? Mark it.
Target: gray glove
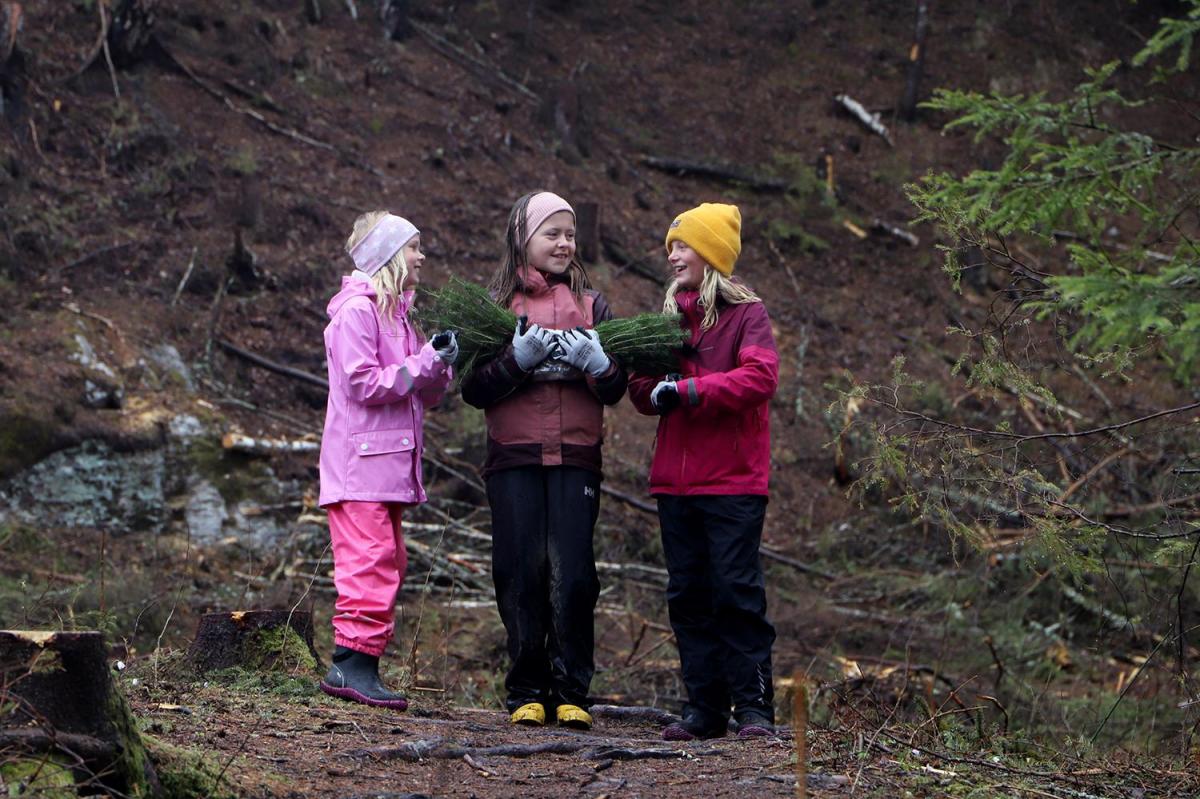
(532, 345)
(446, 346)
(581, 349)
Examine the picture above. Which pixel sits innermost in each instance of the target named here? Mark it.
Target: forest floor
(931, 670)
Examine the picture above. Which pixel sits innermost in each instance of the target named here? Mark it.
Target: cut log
(287, 371)
(248, 445)
(256, 640)
(57, 701)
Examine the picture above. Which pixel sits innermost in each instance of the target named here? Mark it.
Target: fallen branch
(287, 371)
(718, 171)
(290, 133)
(629, 500)
(905, 236)
(186, 277)
(440, 749)
(795, 564)
(486, 72)
(617, 253)
(871, 121)
(651, 715)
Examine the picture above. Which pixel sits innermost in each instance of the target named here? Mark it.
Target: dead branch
(262, 120)
(795, 564)
(287, 371)
(871, 121)
(720, 172)
(629, 500)
(441, 749)
(897, 232)
(484, 71)
(616, 252)
(187, 274)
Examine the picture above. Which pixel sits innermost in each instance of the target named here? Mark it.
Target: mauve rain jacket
(718, 440)
(381, 377)
(553, 422)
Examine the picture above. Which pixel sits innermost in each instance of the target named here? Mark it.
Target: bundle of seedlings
(647, 343)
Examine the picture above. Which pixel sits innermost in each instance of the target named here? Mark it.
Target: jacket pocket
(382, 442)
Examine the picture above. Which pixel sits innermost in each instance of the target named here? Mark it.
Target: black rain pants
(544, 570)
(717, 601)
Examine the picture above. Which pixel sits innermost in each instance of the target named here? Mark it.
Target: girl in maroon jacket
(709, 475)
(544, 399)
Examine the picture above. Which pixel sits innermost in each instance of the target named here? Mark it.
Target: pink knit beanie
(541, 207)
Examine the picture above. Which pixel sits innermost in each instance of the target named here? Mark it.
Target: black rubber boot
(355, 676)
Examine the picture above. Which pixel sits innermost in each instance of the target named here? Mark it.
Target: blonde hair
(389, 281)
(507, 281)
(713, 286)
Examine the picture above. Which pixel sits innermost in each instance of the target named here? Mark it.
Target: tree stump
(57, 702)
(587, 231)
(256, 640)
(131, 30)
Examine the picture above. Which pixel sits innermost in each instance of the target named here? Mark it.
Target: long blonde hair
(389, 281)
(713, 286)
(506, 281)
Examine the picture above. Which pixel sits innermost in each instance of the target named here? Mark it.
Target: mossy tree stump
(58, 704)
(256, 640)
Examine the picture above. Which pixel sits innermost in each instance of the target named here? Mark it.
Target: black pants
(545, 575)
(717, 602)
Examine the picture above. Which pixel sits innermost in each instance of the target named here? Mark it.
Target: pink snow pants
(369, 561)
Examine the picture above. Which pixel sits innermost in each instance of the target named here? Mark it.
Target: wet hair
(507, 280)
(714, 288)
(389, 281)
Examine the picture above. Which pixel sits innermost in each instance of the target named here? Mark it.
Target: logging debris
(870, 120)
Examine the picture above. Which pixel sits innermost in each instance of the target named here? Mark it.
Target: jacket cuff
(689, 392)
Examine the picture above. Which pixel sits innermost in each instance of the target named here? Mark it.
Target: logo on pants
(590, 492)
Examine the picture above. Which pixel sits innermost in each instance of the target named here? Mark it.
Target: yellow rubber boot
(574, 717)
(532, 714)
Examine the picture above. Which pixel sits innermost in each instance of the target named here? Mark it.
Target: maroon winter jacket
(552, 415)
(718, 440)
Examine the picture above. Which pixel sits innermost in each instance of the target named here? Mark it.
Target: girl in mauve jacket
(712, 457)
(544, 399)
(382, 374)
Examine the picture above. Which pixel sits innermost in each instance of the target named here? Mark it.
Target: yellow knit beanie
(712, 229)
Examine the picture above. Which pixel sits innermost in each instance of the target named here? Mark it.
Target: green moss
(133, 764)
(187, 773)
(279, 649)
(281, 684)
(45, 778)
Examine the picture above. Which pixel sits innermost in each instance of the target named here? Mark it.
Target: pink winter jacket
(381, 377)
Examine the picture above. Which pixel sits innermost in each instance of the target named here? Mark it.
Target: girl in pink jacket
(382, 374)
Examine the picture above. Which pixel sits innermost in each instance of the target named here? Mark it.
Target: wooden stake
(799, 731)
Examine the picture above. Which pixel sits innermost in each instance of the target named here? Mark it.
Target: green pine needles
(647, 343)
(1075, 169)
